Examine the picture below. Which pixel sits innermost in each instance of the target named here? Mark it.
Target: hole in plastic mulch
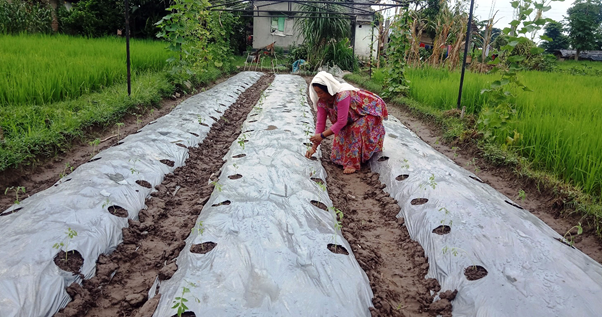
(185, 314)
(214, 118)
(418, 201)
(218, 111)
(223, 203)
(169, 163)
(248, 131)
(475, 272)
(203, 248)
(11, 212)
(393, 136)
(239, 156)
(308, 144)
(564, 242)
(196, 135)
(118, 211)
(71, 262)
(337, 249)
(181, 145)
(252, 121)
(313, 158)
(94, 159)
(68, 179)
(319, 205)
(513, 204)
(383, 158)
(144, 183)
(120, 143)
(402, 177)
(204, 124)
(272, 127)
(443, 229)
(253, 115)
(476, 179)
(235, 176)
(318, 180)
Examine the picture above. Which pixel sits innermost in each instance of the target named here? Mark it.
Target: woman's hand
(311, 152)
(316, 139)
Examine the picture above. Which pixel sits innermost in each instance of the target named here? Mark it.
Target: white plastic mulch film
(530, 272)
(271, 256)
(30, 282)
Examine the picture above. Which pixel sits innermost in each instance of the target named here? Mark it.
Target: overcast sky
(505, 10)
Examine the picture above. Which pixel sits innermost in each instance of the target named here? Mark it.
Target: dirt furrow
(394, 263)
(151, 245)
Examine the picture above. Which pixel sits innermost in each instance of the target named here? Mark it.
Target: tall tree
(584, 19)
(558, 41)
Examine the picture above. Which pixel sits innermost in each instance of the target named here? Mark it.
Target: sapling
(200, 120)
(521, 194)
(405, 164)
(431, 182)
(94, 144)
(455, 251)
(179, 302)
(455, 149)
(67, 167)
(217, 186)
(138, 121)
(70, 235)
(119, 125)
(199, 228)
(321, 186)
(235, 168)
(444, 221)
(312, 171)
(16, 190)
(338, 217)
(133, 169)
(106, 203)
(571, 239)
(241, 141)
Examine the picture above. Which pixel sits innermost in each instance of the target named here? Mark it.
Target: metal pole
(127, 45)
(467, 41)
(371, 44)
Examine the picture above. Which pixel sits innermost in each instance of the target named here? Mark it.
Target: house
(275, 22)
(570, 54)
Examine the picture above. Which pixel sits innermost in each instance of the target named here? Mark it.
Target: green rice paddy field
(561, 120)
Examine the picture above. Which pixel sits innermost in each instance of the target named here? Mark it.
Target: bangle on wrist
(322, 135)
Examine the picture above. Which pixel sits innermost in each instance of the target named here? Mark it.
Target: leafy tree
(93, 18)
(558, 40)
(325, 27)
(584, 19)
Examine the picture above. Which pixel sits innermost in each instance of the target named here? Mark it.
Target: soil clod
(144, 183)
(169, 163)
(475, 272)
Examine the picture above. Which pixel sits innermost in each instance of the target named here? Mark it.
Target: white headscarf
(334, 87)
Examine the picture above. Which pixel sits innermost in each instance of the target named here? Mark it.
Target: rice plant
(40, 69)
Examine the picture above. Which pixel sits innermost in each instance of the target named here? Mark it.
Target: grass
(559, 121)
(40, 69)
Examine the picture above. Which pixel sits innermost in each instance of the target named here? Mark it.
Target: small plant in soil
(138, 121)
(338, 217)
(455, 149)
(224, 118)
(65, 243)
(119, 125)
(94, 144)
(69, 168)
(199, 228)
(455, 251)
(521, 194)
(431, 182)
(235, 168)
(312, 171)
(180, 300)
(444, 221)
(323, 188)
(200, 119)
(106, 203)
(17, 190)
(405, 164)
(217, 186)
(133, 169)
(241, 141)
(571, 239)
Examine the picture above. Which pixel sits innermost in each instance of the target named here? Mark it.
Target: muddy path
(395, 264)
(545, 205)
(152, 244)
(47, 171)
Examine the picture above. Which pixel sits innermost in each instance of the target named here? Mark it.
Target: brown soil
(47, 171)
(394, 263)
(71, 263)
(474, 273)
(544, 205)
(150, 246)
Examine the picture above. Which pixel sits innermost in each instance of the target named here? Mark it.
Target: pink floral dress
(362, 133)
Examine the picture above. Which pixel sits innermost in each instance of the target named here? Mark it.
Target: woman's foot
(349, 170)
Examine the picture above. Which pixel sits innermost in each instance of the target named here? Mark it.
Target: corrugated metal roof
(593, 55)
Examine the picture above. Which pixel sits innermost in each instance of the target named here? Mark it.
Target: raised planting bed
(267, 241)
(502, 260)
(68, 226)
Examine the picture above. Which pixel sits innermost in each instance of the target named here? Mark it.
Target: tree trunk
(576, 55)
